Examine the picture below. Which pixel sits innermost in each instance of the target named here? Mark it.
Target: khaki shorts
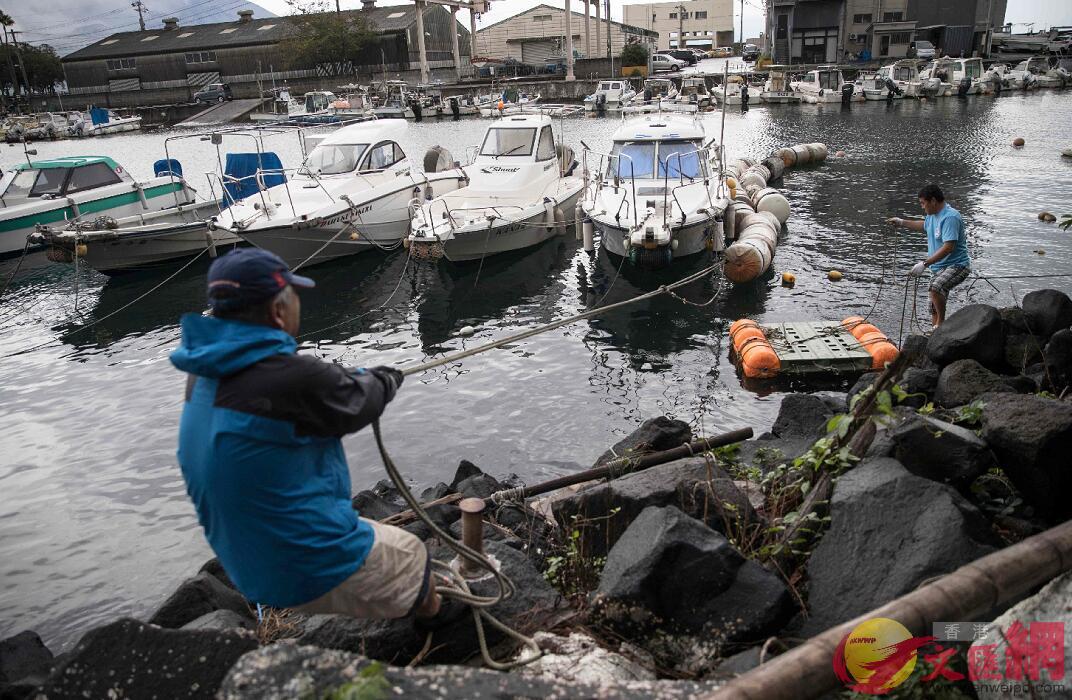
(391, 583)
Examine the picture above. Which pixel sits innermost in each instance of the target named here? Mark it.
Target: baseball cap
(247, 276)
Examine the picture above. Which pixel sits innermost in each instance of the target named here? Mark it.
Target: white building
(539, 34)
(705, 23)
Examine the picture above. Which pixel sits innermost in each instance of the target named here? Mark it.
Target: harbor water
(94, 518)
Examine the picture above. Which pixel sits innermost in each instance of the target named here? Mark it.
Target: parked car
(685, 56)
(662, 61)
(750, 52)
(921, 49)
(720, 52)
(699, 53)
(214, 92)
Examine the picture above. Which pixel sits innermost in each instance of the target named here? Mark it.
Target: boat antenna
(28, 152)
(722, 132)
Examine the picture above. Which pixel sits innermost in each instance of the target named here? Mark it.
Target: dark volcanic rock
(866, 380)
(479, 486)
(696, 485)
(890, 530)
(129, 659)
(373, 506)
(1032, 437)
(767, 452)
(285, 671)
(1059, 361)
(1012, 317)
(24, 655)
(802, 416)
(653, 435)
(689, 577)
(1022, 350)
(963, 381)
(916, 345)
(1047, 311)
(941, 451)
(973, 332)
(198, 596)
(920, 385)
(213, 567)
(434, 492)
(465, 470)
(396, 641)
(221, 620)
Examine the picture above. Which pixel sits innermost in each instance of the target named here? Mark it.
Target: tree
(319, 36)
(634, 55)
(43, 67)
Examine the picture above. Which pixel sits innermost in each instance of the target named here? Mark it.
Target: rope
(458, 588)
(11, 277)
(556, 324)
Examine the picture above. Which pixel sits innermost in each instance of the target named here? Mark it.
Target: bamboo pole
(965, 594)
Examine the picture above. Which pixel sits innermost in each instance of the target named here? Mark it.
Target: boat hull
(691, 240)
(135, 252)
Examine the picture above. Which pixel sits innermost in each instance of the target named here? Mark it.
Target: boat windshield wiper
(506, 153)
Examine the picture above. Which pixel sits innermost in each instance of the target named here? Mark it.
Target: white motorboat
(693, 93)
(504, 107)
(520, 193)
(461, 105)
(826, 84)
(873, 87)
(102, 122)
(353, 193)
(1036, 72)
(656, 93)
(732, 93)
(659, 194)
(967, 76)
(940, 69)
(78, 187)
(610, 96)
(904, 73)
(776, 90)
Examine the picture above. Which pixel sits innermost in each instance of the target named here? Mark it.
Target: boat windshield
(634, 160)
(21, 184)
(973, 69)
(335, 159)
(49, 181)
(828, 80)
(679, 159)
(508, 142)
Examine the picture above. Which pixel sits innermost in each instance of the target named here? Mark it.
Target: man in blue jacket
(260, 450)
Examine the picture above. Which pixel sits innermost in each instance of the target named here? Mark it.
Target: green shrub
(634, 55)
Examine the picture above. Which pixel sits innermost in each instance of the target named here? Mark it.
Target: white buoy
(466, 331)
(588, 236)
(803, 154)
(578, 220)
(772, 201)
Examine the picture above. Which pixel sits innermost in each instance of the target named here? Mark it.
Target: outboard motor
(963, 86)
(455, 107)
(601, 103)
(647, 94)
(846, 93)
(415, 105)
(437, 159)
(893, 88)
(744, 97)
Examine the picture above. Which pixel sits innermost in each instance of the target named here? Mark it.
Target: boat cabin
(694, 86)
(823, 78)
(318, 101)
(517, 139)
(369, 147)
(665, 146)
(655, 88)
(900, 71)
(777, 78)
(966, 68)
(49, 179)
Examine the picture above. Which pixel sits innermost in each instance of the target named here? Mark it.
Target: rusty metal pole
(472, 532)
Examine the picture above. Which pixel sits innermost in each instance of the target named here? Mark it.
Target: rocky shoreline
(670, 581)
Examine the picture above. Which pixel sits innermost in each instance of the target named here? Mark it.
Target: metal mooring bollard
(472, 532)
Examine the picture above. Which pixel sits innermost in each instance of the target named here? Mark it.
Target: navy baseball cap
(249, 275)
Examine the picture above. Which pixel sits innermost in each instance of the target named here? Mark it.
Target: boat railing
(225, 195)
(702, 156)
(449, 214)
(604, 163)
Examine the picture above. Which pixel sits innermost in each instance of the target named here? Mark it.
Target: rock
(479, 486)
(801, 416)
(1032, 438)
(435, 492)
(1047, 217)
(373, 506)
(1059, 361)
(768, 452)
(221, 620)
(286, 670)
(1004, 639)
(1047, 311)
(1012, 318)
(579, 659)
(941, 451)
(213, 567)
(890, 530)
(465, 470)
(698, 487)
(386, 489)
(1022, 350)
(653, 435)
(130, 659)
(973, 332)
(24, 655)
(920, 384)
(198, 596)
(963, 381)
(672, 570)
(866, 380)
(535, 606)
(444, 514)
(916, 346)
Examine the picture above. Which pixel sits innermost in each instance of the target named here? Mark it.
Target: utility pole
(681, 26)
(22, 63)
(742, 27)
(140, 7)
(989, 27)
(610, 56)
(14, 80)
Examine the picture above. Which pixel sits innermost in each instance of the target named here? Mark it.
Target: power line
(140, 7)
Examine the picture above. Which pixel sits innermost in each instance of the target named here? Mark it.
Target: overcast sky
(69, 24)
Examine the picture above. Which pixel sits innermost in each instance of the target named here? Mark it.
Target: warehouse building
(538, 36)
(704, 24)
(167, 65)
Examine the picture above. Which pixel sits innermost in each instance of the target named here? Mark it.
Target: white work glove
(917, 269)
(896, 221)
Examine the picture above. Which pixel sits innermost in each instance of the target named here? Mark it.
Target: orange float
(757, 357)
(873, 340)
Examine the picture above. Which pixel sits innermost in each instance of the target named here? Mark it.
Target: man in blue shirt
(947, 247)
(260, 450)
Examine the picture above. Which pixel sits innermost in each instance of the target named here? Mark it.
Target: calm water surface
(94, 519)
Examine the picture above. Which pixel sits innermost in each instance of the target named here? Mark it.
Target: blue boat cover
(169, 166)
(239, 174)
(99, 115)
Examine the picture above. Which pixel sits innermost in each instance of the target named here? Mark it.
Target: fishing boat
(732, 93)
(776, 90)
(659, 194)
(78, 187)
(610, 96)
(872, 87)
(655, 93)
(825, 84)
(506, 106)
(520, 194)
(694, 93)
(353, 193)
(940, 69)
(396, 98)
(904, 73)
(1036, 72)
(352, 105)
(461, 106)
(967, 76)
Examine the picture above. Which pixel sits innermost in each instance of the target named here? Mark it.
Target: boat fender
(673, 244)
(81, 249)
(588, 236)
(560, 221)
(578, 220)
(210, 243)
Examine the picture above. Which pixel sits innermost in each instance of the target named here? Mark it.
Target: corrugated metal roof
(197, 37)
(577, 17)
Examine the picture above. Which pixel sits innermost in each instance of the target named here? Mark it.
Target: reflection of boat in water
(451, 293)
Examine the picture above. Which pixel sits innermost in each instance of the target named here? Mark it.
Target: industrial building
(829, 31)
(704, 24)
(539, 35)
(167, 65)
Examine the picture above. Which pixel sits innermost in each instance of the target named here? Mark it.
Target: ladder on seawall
(806, 347)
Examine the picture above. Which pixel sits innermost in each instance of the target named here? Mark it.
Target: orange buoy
(873, 340)
(741, 322)
(852, 321)
(881, 353)
(861, 329)
(759, 359)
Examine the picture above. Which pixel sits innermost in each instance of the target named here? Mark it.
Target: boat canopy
(62, 176)
(655, 127)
